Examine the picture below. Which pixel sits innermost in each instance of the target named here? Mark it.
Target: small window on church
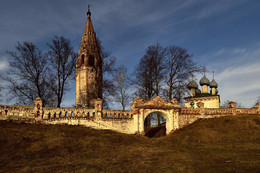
(82, 59)
(91, 60)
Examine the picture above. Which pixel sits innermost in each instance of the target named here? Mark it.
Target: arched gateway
(169, 111)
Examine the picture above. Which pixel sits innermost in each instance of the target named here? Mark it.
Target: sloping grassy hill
(228, 144)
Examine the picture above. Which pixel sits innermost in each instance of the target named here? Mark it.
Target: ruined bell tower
(88, 68)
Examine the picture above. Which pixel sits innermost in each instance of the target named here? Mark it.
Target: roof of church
(89, 27)
(192, 84)
(89, 41)
(204, 81)
(213, 84)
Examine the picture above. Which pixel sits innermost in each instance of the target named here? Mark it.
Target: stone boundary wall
(14, 112)
(190, 115)
(249, 111)
(116, 114)
(55, 113)
(117, 120)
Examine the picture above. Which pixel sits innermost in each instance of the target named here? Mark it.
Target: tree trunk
(158, 119)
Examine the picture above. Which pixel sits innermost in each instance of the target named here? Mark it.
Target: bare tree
(157, 55)
(26, 78)
(108, 70)
(226, 104)
(121, 83)
(149, 74)
(179, 67)
(143, 79)
(62, 60)
(144, 83)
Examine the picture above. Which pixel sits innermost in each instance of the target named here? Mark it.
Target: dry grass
(228, 144)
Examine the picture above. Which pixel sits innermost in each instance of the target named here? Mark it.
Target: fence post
(38, 110)
(233, 106)
(98, 108)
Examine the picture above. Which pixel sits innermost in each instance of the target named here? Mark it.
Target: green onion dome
(213, 84)
(192, 84)
(204, 81)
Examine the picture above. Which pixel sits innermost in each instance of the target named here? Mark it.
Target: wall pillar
(175, 119)
(233, 106)
(169, 121)
(63, 115)
(98, 108)
(141, 121)
(52, 115)
(45, 116)
(201, 108)
(38, 111)
(136, 120)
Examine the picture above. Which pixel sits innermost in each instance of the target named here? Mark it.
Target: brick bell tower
(88, 68)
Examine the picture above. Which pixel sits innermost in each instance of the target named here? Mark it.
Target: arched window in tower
(91, 61)
(82, 59)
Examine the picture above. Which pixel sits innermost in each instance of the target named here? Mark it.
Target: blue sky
(223, 35)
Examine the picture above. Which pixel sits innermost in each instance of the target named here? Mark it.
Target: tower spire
(89, 13)
(89, 35)
(89, 27)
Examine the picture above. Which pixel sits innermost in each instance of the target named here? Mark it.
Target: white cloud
(3, 64)
(216, 7)
(236, 51)
(240, 71)
(238, 75)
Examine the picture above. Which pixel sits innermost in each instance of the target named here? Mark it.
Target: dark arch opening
(154, 125)
(38, 114)
(91, 61)
(82, 59)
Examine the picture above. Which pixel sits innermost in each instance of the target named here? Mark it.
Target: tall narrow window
(82, 59)
(91, 60)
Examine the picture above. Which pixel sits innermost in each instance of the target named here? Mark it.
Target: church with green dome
(209, 99)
